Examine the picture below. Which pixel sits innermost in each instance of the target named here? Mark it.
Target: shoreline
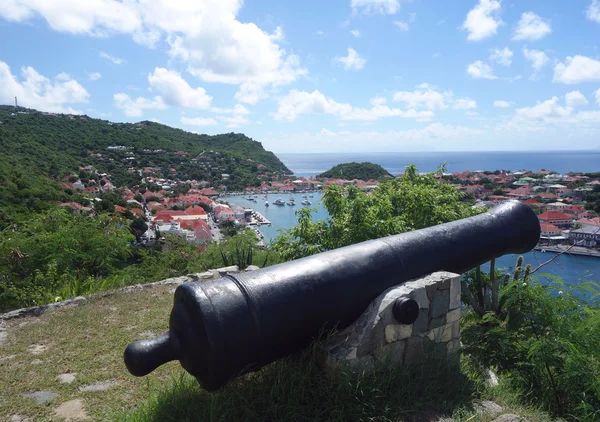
(575, 250)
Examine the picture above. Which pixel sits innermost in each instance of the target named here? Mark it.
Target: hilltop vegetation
(360, 171)
(39, 149)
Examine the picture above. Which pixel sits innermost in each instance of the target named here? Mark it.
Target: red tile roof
(549, 228)
(73, 205)
(554, 216)
(590, 221)
(195, 210)
(532, 201)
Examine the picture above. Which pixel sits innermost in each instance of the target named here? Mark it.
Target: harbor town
(566, 204)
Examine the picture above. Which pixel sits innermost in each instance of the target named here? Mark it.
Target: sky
(318, 76)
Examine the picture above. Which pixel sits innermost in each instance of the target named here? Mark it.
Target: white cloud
(319, 33)
(483, 20)
(424, 96)
(575, 99)
(597, 94)
(110, 57)
(502, 104)
(135, 107)
(92, 17)
(352, 60)
(576, 70)
(356, 33)
(39, 92)
(480, 70)
(383, 7)
(402, 25)
(237, 109)
(235, 117)
(544, 111)
(94, 76)
(206, 35)
(464, 104)
(378, 100)
(302, 102)
(175, 91)
(503, 57)
(531, 27)
(198, 121)
(593, 11)
(538, 60)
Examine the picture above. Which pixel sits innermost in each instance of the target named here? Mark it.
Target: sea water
(395, 162)
(571, 268)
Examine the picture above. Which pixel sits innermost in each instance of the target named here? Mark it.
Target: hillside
(38, 149)
(361, 171)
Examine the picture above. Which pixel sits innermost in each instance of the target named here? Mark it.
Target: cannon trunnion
(238, 323)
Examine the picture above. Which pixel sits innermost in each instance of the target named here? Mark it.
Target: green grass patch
(89, 341)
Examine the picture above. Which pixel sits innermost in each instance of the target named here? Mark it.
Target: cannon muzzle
(238, 323)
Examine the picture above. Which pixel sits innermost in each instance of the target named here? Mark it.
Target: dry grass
(89, 341)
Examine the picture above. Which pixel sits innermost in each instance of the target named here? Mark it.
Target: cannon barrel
(238, 323)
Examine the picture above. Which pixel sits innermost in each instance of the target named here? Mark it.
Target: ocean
(395, 162)
(572, 269)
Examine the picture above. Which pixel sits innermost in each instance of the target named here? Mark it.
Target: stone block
(420, 326)
(413, 351)
(393, 352)
(453, 346)
(233, 269)
(455, 291)
(420, 296)
(456, 329)
(453, 315)
(397, 332)
(436, 322)
(435, 335)
(377, 335)
(446, 333)
(440, 303)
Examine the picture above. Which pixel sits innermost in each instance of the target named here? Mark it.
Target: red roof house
(556, 217)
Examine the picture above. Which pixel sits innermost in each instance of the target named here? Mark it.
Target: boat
(266, 203)
(304, 196)
(311, 195)
(292, 202)
(305, 202)
(278, 201)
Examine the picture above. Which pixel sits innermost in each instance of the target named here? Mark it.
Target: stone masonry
(376, 335)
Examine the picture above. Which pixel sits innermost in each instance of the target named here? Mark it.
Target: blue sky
(318, 76)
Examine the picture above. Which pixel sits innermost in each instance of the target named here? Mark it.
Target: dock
(575, 250)
(258, 219)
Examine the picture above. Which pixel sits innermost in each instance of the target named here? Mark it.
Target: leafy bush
(545, 339)
(411, 202)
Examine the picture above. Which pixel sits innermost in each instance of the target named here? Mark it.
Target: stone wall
(376, 335)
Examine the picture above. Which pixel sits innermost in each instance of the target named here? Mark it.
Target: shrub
(544, 338)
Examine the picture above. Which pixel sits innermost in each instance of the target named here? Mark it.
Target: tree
(138, 227)
(406, 203)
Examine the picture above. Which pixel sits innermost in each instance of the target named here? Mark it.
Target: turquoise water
(571, 269)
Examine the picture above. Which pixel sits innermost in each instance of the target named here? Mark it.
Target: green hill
(38, 149)
(361, 171)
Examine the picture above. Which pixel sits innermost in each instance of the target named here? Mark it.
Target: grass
(89, 340)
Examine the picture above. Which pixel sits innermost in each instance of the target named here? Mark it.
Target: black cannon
(238, 323)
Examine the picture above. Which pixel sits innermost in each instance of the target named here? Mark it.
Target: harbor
(272, 218)
(570, 250)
